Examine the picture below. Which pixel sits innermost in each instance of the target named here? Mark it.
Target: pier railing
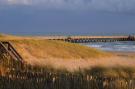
(86, 39)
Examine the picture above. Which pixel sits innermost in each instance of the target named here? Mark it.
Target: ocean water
(125, 46)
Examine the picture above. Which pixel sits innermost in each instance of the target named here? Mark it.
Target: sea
(123, 46)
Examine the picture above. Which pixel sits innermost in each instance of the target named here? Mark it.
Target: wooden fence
(49, 80)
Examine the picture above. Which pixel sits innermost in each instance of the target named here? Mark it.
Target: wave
(114, 46)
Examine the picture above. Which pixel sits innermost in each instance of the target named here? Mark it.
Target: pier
(87, 39)
(25, 76)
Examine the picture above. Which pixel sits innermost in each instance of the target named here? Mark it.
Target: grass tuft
(55, 49)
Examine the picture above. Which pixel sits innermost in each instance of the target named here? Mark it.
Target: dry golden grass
(46, 49)
(72, 57)
(3, 70)
(61, 55)
(40, 48)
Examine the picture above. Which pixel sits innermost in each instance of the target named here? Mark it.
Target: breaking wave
(128, 46)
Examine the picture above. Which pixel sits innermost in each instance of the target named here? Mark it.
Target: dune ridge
(68, 56)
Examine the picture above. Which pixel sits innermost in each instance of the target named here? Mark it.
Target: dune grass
(5, 37)
(119, 71)
(41, 48)
(36, 49)
(55, 49)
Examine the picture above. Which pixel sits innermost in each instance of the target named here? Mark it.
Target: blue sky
(67, 16)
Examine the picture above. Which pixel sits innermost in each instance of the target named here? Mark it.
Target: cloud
(16, 2)
(106, 5)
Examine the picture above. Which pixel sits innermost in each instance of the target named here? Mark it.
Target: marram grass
(55, 49)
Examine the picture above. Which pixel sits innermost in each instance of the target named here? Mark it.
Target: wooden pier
(32, 77)
(87, 39)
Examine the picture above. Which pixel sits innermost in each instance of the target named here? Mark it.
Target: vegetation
(32, 77)
(55, 49)
(40, 48)
(4, 37)
(15, 75)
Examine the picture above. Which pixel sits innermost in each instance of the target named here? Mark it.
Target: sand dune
(61, 55)
(76, 64)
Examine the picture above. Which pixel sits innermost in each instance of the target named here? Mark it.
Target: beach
(53, 63)
(37, 51)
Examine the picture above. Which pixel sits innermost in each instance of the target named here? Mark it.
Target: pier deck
(86, 39)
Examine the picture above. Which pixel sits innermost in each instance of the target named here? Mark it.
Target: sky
(39, 17)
